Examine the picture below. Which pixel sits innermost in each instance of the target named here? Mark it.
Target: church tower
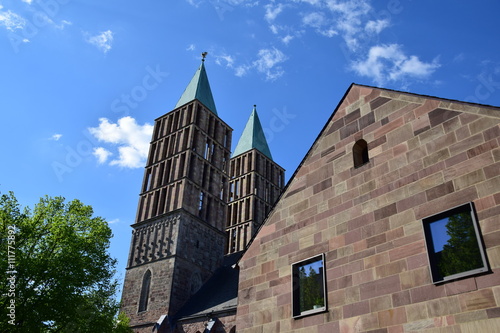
(256, 182)
(178, 238)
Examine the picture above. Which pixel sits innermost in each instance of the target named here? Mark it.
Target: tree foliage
(311, 289)
(461, 253)
(63, 272)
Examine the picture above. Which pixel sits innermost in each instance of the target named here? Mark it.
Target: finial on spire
(203, 56)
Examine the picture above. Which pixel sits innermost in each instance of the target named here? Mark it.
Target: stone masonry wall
(426, 156)
(161, 273)
(224, 324)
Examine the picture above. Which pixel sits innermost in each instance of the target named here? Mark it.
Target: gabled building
(389, 224)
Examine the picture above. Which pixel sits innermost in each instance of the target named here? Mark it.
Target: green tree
(461, 253)
(311, 289)
(61, 266)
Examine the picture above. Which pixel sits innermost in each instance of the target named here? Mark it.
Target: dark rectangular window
(308, 286)
(454, 244)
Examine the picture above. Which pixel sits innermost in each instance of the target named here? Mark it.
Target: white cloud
(11, 21)
(376, 26)
(131, 138)
(101, 154)
(224, 59)
(63, 24)
(287, 39)
(191, 47)
(311, 2)
(315, 19)
(459, 58)
(390, 63)
(273, 11)
(274, 29)
(114, 221)
(28, 1)
(350, 17)
(194, 3)
(241, 71)
(329, 32)
(268, 62)
(102, 41)
(56, 137)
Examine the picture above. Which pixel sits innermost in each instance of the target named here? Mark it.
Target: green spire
(253, 137)
(199, 89)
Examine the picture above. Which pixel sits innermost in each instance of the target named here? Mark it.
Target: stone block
(356, 309)
(390, 269)
(427, 293)
(443, 307)
(407, 250)
(490, 325)
(469, 179)
(470, 316)
(380, 303)
(440, 191)
(481, 299)
(376, 260)
(380, 287)
(481, 149)
(460, 286)
(392, 317)
(416, 312)
(436, 157)
(488, 280)
(331, 327)
(401, 298)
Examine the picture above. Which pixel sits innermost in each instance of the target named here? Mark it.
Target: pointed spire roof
(199, 88)
(253, 137)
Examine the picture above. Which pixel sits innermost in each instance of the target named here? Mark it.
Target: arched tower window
(360, 153)
(146, 283)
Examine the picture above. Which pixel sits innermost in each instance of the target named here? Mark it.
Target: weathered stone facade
(179, 236)
(426, 155)
(177, 256)
(255, 184)
(224, 324)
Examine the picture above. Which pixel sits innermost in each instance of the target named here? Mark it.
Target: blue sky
(83, 80)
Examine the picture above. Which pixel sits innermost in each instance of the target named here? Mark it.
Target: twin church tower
(198, 204)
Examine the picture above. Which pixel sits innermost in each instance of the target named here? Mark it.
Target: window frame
(431, 254)
(295, 294)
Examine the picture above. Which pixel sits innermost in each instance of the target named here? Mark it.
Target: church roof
(198, 88)
(253, 137)
(218, 294)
